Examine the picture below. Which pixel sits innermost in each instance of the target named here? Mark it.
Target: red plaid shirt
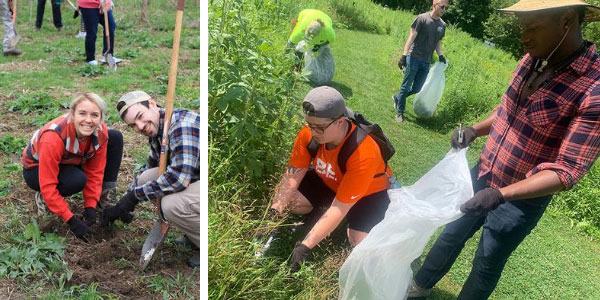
(556, 128)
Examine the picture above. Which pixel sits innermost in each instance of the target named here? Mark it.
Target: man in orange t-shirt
(318, 183)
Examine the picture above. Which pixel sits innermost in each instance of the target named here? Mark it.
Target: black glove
(482, 202)
(299, 255)
(442, 59)
(76, 14)
(89, 215)
(80, 229)
(402, 62)
(469, 135)
(121, 211)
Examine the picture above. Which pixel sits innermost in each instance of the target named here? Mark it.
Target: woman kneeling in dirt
(71, 153)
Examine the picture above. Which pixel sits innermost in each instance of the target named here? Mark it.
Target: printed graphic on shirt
(325, 169)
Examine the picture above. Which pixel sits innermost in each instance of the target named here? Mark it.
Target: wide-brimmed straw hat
(592, 12)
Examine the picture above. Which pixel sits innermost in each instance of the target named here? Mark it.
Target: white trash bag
(427, 99)
(379, 267)
(319, 66)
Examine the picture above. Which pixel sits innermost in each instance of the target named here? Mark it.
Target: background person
(72, 153)
(9, 42)
(426, 33)
(92, 14)
(56, 16)
(542, 138)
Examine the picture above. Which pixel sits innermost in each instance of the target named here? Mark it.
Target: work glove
(482, 202)
(402, 62)
(89, 215)
(80, 229)
(76, 14)
(299, 255)
(121, 211)
(469, 135)
(442, 59)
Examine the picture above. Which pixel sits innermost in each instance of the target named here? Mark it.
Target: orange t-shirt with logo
(362, 165)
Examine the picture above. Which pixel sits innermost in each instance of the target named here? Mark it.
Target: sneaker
(14, 52)
(399, 118)
(81, 35)
(93, 62)
(415, 291)
(103, 60)
(194, 261)
(184, 240)
(40, 204)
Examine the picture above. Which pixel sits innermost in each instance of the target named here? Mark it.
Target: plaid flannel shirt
(556, 128)
(183, 163)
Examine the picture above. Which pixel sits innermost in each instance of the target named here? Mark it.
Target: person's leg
(504, 229)
(90, 17)
(9, 43)
(451, 241)
(56, 16)
(365, 214)
(113, 163)
(183, 210)
(111, 32)
(39, 17)
(409, 77)
(420, 77)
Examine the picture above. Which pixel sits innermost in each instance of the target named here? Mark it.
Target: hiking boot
(108, 197)
(184, 240)
(399, 118)
(81, 35)
(93, 62)
(103, 60)
(14, 52)
(194, 261)
(415, 291)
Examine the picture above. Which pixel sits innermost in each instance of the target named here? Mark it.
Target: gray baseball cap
(325, 102)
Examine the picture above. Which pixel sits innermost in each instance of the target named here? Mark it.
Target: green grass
(556, 261)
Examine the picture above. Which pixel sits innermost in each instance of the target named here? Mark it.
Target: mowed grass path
(554, 262)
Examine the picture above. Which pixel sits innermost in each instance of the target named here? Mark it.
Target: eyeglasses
(320, 128)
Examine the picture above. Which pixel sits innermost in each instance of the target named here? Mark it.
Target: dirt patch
(23, 66)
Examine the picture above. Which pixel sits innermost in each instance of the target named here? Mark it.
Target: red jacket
(56, 143)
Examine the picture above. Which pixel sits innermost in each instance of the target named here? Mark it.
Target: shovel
(112, 64)
(158, 232)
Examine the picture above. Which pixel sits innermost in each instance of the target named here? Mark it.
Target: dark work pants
(503, 230)
(56, 16)
(72, 179)
(91, 18)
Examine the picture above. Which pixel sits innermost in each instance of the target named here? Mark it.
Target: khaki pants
(180, 209)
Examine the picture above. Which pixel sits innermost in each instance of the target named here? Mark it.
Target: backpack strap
(356, 137)
(312, 147)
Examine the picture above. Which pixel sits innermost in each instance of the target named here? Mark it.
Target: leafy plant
(88, 70)
(32, 256)
(173, 287)
(11, 144)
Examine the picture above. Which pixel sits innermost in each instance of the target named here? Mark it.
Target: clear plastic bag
(379, 267)
(319, 66)
(427, 99)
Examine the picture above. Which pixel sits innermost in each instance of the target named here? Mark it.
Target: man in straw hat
(425, 36)
(542, 138)
(318, 182)
(179, 185)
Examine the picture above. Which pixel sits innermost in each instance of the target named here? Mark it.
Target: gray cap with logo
(325, 102)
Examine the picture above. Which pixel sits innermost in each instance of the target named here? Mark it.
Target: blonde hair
(92, 97)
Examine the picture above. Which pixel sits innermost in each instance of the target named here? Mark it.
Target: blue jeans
(414, 77)
(91, 18)
(504, 228)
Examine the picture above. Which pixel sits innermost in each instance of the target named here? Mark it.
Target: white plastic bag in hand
(319, 66)
(379, 267)
(427, 99)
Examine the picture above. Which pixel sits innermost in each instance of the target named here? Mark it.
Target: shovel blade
(153, 241)
(112, 64)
